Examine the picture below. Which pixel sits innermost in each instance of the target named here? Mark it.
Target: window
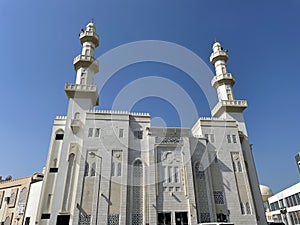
(239, 166)
(212, 138)
(63, 219)
(170, 174)
(53, 170)
(45, 216)
(86, 169)
(137, 194)
(27, 221)
(97, 132)
(176, 174)
(242, 208)
(228, 138)
(248, 209)
(234, 138)
(119, 169)
(164, 218)
(59, 136)
(93, 170)
(90, 134)
(138, 134)
(121, 133)
(112, 169)
(216, 159)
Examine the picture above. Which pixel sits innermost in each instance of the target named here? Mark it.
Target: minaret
(227, 107)
(231, 109)
(86, 66)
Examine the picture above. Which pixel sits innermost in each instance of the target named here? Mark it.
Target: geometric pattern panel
(219, 198)
(204, 217)
(84, 219)
(137, 194)
(113, 219)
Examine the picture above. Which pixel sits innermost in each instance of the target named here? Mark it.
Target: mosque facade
(111, 167)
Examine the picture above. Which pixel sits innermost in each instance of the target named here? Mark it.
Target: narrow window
(170, 174)
(239, 166)
(234, 166)
(206, 136)
(234, 138)
(248, 209)
(93, 170)
(176, 174)
(86, 169)
(228, 138)
(90, 132)
(212, 138)
(242, 208)
(112, 169)
(121, 133)
(119, 170)
(97, 132)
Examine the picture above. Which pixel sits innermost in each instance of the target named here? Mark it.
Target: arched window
(137, 194)
(68, 181)
(77, 115)
(248, 209)
(93, 170)
(242, 208)
(22, 196)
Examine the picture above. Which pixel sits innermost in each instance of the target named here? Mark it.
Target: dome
(266, 192)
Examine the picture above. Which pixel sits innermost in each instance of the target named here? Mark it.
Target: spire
(223, 82)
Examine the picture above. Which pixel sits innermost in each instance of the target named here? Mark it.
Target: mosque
(112, 167)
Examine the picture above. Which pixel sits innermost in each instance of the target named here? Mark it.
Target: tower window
(121, 133)
(59, 136)
(228, 138)
(93, 170)
(97, 132)
(138, 134)
(90, 134)
(119, 169)
(234, 138)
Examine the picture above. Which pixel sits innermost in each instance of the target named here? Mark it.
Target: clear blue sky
(39, 40)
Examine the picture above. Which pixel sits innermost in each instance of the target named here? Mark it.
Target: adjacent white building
(285, 205)
(110, 167)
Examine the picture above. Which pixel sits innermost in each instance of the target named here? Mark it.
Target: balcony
(82, 91)
(76, 125)
(89, 36)
(226, 78)
(229, 106)
(220, 55)
(86, 61)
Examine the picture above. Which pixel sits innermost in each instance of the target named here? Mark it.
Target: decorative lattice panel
(219, 197)
(84, 219)
(113, 219)
(137, 194)
(204, 217)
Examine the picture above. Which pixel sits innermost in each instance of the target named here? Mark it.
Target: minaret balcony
(81, 61)
(229, 106)
(82, 91)
(89, 36)
(219, 55)
(223, 79)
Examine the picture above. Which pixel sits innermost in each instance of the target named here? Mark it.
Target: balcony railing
(89, 36)
(80, 87)
(227, 76)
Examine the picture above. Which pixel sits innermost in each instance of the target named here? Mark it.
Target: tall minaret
(231, 109)
(227, 107)
(86, 67)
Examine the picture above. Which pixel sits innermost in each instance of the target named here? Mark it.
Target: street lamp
(93, 154)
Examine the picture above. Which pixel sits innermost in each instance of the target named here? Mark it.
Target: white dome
(266, 192)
